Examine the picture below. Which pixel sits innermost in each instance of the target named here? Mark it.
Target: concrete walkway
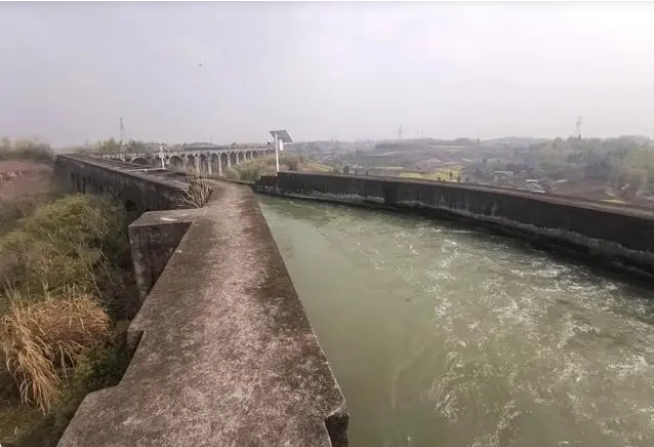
(226, 355)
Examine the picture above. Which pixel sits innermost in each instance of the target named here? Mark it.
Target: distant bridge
(209, 158)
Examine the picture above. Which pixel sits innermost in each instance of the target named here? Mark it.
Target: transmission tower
(399, 133)
(578, 128)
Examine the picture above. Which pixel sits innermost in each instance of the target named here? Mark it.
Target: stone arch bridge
(211, 160)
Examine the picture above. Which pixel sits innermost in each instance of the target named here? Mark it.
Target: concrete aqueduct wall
(616, 236)
(223, 353)
(128, 185)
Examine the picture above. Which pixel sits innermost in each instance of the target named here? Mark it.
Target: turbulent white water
(447, 337)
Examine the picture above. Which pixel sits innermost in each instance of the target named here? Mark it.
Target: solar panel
(282, 135)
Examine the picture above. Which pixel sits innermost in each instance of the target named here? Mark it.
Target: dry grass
(40, 341)
(55, 342)
(199, 191)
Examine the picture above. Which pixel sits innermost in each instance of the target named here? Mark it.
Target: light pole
(279, 138)
(276, 143)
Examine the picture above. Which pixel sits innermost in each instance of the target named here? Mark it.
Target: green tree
(110, 146)
(5, 144)
(136, 146)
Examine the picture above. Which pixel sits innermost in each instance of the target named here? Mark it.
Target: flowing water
(443, 336)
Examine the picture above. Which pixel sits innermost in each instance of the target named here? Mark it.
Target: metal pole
(276, 141)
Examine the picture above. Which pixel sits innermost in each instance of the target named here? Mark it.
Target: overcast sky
(324, 70)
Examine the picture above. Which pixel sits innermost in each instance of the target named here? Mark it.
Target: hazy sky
(324, 70)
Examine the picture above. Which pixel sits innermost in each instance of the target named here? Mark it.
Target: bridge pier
(194, 158)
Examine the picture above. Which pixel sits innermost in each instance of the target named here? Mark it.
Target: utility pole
(578, 128)
(122, 134)
(276, 140)
(161, 155)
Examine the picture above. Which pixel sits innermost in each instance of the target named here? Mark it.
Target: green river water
(444, 336)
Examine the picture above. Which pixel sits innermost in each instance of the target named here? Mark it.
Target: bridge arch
(190, 161)
(223, 159)
(214, 159)
(132, 210)
(176, 161)
(140, 161)
(204, 162)
(130, 205)
(233, 158)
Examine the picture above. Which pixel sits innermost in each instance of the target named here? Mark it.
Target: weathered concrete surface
(137, 188)
(224, 353)
(153, 238)
(619, 237)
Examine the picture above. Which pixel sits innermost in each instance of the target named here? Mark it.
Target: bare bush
(198, 192)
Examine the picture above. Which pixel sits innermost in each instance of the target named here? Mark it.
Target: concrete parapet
(153, 238)
(224, 354)
(617, 236)
(139, 189)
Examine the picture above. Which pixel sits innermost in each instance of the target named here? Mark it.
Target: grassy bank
(251, 170)
(24, 173)
(65, 301)
(444, 174)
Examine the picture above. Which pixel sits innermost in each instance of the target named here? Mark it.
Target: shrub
(38, 265)
(26, 150)
(198, 192)
(11, 212)
(66, 242)
(232, 174)
(291, 161)
(41, 341)
(69, 274)
(74, 221)
(249, 172)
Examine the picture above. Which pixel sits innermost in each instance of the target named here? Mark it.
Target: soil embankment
(19, 179)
